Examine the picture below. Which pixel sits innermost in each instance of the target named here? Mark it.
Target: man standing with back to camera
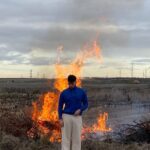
(72, 102)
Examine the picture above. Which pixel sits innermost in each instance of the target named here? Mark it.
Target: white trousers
(71, 132)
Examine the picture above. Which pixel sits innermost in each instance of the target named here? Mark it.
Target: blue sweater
(73, 99)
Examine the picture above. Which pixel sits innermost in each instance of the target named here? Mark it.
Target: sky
(32, 30)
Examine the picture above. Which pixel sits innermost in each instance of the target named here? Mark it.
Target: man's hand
(61, 122)
(77, 112)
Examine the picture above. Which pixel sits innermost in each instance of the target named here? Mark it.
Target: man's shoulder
(64, 91)
(77, 88)
(81, 89)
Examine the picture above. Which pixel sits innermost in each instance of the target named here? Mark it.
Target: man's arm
(84, 102)
(60, 106)
(84, 105)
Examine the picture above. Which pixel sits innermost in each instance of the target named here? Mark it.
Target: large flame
(45, 110)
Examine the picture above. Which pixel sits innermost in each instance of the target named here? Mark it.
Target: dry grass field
(126, 101)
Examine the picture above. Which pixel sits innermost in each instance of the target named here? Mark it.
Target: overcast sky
(31, 31)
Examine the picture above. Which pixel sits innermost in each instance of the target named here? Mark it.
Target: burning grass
(45, 110)
(14, 127)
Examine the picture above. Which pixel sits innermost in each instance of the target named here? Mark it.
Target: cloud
(25, 26)
(141, 61)
(68, 10)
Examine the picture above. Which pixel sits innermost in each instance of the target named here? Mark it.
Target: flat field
(125, 100)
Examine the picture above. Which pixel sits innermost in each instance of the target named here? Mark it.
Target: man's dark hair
(71, 78)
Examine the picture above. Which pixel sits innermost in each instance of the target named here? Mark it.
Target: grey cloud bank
(122, 26)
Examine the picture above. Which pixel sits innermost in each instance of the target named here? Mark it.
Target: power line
(31, 73)
(132, 70)
(120, 72)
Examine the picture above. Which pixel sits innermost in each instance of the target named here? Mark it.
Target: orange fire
(101, 123)
(100, 126)
(45, 110)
